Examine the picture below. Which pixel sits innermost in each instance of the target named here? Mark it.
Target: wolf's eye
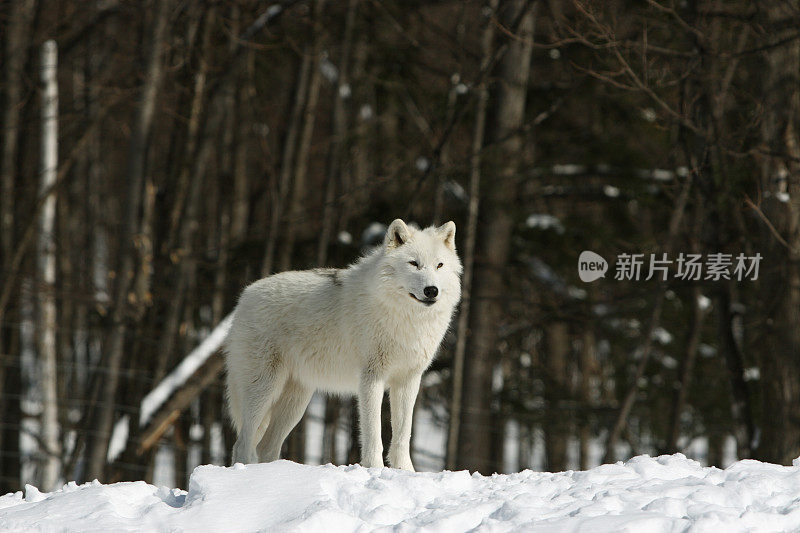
(440, 265)
(413, 264)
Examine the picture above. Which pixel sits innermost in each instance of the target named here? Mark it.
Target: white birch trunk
(46, 268)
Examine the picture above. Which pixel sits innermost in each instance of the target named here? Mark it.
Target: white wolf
(361, 329)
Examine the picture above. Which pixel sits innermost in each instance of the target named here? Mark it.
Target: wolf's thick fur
(373, 325)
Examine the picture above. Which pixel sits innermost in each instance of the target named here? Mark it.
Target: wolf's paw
(241, 454)
(401, 461)
(372, 460)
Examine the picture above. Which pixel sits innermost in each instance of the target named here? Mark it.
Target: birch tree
(46, 267)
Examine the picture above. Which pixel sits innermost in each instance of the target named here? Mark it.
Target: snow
(662, 336)
(568, 169)
(752, 373)
(119, 438)
(544, 221)
(645, 494)
(328, 69)
(373, 234)
(345, 237)
(365, 112)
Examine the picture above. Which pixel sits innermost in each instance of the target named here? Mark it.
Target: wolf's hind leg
(285, 414)
(258, 398)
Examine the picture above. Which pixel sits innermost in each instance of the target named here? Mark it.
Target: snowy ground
(644, 494)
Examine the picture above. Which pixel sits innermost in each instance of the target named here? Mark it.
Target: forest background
(157, 156)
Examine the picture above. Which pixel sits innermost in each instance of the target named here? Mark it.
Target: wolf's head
(423, 265)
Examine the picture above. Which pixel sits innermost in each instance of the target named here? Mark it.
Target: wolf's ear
(397, 234)
(447, 232)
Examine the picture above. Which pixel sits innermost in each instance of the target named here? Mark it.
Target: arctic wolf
(374, 325)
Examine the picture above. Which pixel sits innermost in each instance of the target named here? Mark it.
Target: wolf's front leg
(370, 397)
(402, 395)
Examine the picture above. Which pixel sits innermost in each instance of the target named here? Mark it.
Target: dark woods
(166, 153)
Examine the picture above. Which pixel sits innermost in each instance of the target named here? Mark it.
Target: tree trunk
(185, 212)
(731, 349)
(780, 295)
(303, 151)
(239, 97)
(357, 191)
(646, 342)
(589, 373)
(46, 270)
(103, 419)
(193, 132)
(353, 452)
(10, 458)
(492, 247)
(332, 412)
(686, 371)
(281, 193)
(15, 55)
(556, 429)
(469, 246)
(179, 311)
(339, 122)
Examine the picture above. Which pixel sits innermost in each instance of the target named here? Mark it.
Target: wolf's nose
(430, 292)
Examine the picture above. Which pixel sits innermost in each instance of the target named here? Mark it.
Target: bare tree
(185, 211)
(780, 438)
(16, 43)
(339, 122)
(103, 420)
(475, 442)
(304, 145)
(699, 312)
(557, 430)
(476, 159)
(281, 192)
(588, 375)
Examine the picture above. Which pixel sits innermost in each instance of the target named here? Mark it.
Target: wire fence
(202, 432)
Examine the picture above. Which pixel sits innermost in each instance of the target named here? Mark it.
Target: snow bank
(663, 494)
